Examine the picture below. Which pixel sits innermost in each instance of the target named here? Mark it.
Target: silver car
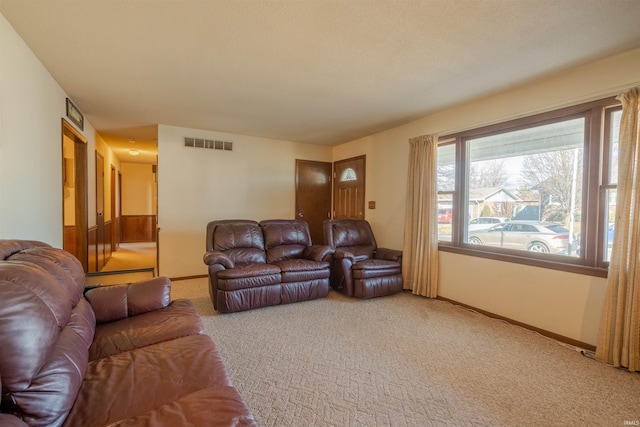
(484, 222)
(533, 236)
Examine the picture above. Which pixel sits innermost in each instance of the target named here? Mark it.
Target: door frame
(81, 174)
(100, 220)
(115, 220)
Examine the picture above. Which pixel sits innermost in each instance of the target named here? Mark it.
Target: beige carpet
(405, 360)
(131, 256)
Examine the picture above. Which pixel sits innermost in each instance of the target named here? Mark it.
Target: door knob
(300, 214)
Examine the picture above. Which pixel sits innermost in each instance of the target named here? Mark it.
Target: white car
(532, 236)
(484, 222)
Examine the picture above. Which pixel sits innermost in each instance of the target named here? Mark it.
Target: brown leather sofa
(122, 355)
(272, 262)
(359, 268)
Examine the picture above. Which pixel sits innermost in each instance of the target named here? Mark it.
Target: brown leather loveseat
(122, 355)
(272, 262)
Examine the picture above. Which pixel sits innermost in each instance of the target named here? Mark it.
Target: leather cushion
(375, 268)
(297, 270)
(360, 252)
(213, 406)
(377, 286)
(357, 233)
(375, 264)
(285, 239)
(305, 290)
(178, 319)
(64, 267)
(249, 282)
(248, 276)
(301, 265)
(248, 270)
(146, 378)
(241, 235)
(248, 298)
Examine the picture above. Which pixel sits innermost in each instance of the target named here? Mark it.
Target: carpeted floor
(405, 360)
(130, 256)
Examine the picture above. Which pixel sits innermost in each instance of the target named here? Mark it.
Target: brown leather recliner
(360, 268)
(239, 276)
(254, 265)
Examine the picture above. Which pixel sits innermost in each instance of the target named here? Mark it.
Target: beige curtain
(619, 338)
(420, 252)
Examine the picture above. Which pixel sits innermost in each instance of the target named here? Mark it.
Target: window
(446, 187)
(610, 179)
(348, 175)
(530, 190)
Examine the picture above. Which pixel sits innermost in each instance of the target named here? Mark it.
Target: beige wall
(564, 303)
(32, 105)
(196, 185)
(110, 159)
(138, 189)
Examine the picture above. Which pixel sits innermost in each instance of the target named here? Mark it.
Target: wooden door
(313, 195)
(348, 191)
(100, 235)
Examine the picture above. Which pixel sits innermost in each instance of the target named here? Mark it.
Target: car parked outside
(533, 236)
(445, 215)
(484, 222)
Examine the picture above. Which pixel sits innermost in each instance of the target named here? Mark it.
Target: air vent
(208, 143)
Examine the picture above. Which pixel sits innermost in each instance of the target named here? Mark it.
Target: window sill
(554, 264)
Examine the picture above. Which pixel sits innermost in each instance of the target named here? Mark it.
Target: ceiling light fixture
(134, 152)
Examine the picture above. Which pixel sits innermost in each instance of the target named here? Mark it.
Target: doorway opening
(126, 199)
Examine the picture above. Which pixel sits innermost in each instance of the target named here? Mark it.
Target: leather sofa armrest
(389, 254)
(340, 254)
(318, 252)
(7, 420)
(114, 302)
(217, 257)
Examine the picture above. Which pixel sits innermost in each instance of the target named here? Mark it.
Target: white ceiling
(316, 71)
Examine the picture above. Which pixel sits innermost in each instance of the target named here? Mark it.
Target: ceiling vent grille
(208, 143)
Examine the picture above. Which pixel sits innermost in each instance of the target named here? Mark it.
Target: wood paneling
(69, 240)
(108, 248)
(138, 228)
(93, 250)
(115, 234)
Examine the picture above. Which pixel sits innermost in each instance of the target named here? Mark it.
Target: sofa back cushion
(46, 328)
(348, 233)
(285, 239)
(240, 240)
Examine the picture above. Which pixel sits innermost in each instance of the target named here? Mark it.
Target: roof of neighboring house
(479, 195)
